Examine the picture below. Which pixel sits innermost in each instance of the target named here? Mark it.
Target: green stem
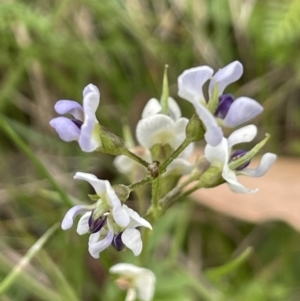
(174, 155)
(140, 183)
(155, 197)
(171, 201)
(30, 154)
(136, 158)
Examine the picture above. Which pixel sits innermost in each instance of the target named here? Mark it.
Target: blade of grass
(12, 277)
(37, 163)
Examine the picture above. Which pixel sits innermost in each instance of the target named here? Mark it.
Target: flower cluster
(108, 221)
(165, 143)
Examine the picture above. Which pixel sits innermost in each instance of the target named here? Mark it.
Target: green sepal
(214, 100)
(249, 155)
(194, 130)
(110, 143)
(212, 177)
(161, 152)
(122, 191)
(164, 99)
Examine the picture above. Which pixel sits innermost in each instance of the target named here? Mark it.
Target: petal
(112, 198)
(90, 88)
(242, 110)
(225, 102)
(244, 134)
(190, 83)
(67, 221)
(83, 224)
(124, 164)
(217, 155)
(145, 285)
(152, 107)
(87, 140)
(132, 240)
(65, 128)
(69, 107)
(188, 151)
(135, 219)
(178, 167)
(174, 110)
(156, 129)
(213, 134)
(120, 216)
(266, 162)
(95, 247)
(126, 269)
(225, 76)
(98, 185)
(233, 183)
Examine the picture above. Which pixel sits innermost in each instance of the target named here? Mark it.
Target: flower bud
(110, 143)
(122, 192)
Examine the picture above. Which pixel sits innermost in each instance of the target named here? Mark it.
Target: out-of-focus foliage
(51, 49)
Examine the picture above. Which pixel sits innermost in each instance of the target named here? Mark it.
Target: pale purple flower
(83, 126)
(220, 156)
(233, 112)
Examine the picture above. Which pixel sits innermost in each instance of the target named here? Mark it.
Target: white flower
(156, 128)
(139, 282)
(219, 156)
(153, 107)
(115, 235)
(108, 202)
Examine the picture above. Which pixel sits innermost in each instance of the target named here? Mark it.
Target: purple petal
(66, 128)
(90, 88)
(190, 83)
(96, 247)
(225, 101)
(69, 107)
(225, 76)
(245, 134)
(266, 162)
(242, 110)
(71, 214)
(88, 141)
(213, 134)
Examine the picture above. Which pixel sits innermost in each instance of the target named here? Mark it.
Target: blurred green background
(50, 50)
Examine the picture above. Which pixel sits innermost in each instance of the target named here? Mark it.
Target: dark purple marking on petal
(238, 154)
(225, 101)
(96, 225)
(117, 242)
(77, 122)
